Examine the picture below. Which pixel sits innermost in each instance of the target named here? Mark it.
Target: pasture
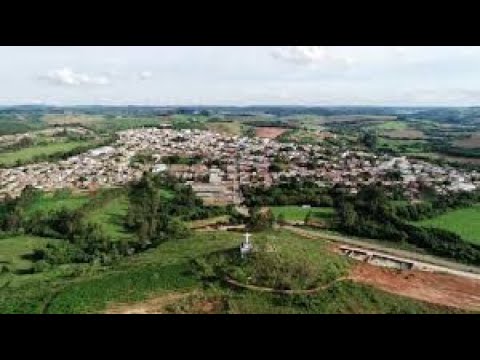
(392, 125)
(53, 119)
(28, 154)
(14, 251)
(167, 270)
(398, 130)
(464, 222)
(298, 213)
(402, 145)
(51, 202)
(111, 218)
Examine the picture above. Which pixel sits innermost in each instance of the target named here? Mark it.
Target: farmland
(28, 154)
(72, 119)
(464, 222)
(269, 132)
(470, 142)
(227, 127)
(298, 213)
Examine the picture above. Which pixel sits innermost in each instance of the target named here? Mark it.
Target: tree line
(291, 192)
(437, 205)
(370, 214)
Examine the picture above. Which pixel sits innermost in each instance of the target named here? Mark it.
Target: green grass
(158, 270)
(13, 249)
(111, 217)
(403, 146)
(281, 261)
(341, 298)
(392, 125)
(50, 202)
(464, 222)
(297, 213)
(166, 269)
(28, 154)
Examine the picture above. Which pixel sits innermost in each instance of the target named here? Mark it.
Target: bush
(40, 266)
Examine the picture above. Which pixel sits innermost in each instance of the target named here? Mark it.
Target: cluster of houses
(225, 163)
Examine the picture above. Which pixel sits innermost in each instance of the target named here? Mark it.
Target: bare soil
(435, 288)
(269, 132)
(156, 305)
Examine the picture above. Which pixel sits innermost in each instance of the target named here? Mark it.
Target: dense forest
(293, 192)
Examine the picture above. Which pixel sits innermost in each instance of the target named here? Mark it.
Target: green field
(403, 146)
(13, 249)
(297, 213)
(464, 222)
(167, 269)
(28, 154)
(111, 217)
(392, 125)
(50, 202)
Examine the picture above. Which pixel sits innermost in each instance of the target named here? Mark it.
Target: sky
(238, 75)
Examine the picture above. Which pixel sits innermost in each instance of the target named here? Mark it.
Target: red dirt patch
(269, 132)
(435, 288)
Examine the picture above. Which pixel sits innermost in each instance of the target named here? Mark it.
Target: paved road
(435, 263)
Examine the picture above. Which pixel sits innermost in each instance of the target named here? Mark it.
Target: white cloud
(311, 55)
(66, 76)
(145, 75)
(400, 50)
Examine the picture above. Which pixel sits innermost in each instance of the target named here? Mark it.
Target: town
(224, 163)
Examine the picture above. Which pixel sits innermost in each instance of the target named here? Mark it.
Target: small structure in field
(246, 246)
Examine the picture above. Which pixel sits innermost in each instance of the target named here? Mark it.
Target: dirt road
(435, 263)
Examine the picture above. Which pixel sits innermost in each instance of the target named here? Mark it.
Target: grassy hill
(167, 270)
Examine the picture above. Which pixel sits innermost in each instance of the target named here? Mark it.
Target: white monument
(246, 246)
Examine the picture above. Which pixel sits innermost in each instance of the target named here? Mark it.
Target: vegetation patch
(464, 222)
(16, 251)
(31, 153)
(299, 213)
(278, 262)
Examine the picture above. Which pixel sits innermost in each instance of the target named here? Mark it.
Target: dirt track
(434, 262)
(154, 305)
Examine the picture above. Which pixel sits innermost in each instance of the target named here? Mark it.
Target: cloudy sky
(295, 75)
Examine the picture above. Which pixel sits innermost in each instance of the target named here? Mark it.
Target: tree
(370, 140)
(308, 217)
(260, 219)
